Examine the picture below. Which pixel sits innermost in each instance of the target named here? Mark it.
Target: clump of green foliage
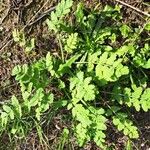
(102, 72)
(19, 37)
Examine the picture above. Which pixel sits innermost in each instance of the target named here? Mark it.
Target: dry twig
(134, 8)
(42, 16)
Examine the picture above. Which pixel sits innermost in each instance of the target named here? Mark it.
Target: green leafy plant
(62, 9)
(105, 65)
(101, 71)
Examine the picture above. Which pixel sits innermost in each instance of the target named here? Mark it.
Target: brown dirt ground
(22, 17)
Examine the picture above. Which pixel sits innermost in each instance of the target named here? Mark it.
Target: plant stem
(61, 48)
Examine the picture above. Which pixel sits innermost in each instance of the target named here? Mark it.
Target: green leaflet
(19, 37)
(147, 26)
(135, 97)
(16, 106)
(123, 50)
(79, 13)
(92, 60)
(145, 100)
(20, 71)
(37, 98)
(62, 9)
(125, 30)
(82, 115)
(139, 98)
(4, 120)
(49, 63)
(109, 68)
(141, 59)
(81, 88)
(71, 42)
(9, 111)
(125, 125)
(44, 105)
(91, 125)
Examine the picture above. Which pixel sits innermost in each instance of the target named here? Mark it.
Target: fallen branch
(134, 8)
(42, 16)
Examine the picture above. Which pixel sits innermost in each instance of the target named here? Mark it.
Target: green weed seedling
(19, 37)
(101, 73)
